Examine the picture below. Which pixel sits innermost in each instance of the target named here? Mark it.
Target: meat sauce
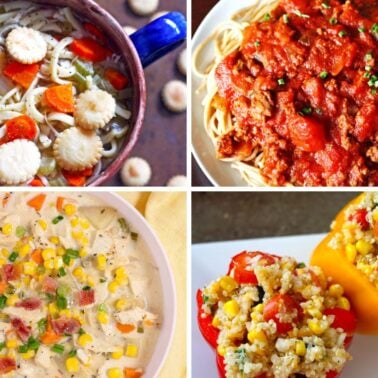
(303, 87)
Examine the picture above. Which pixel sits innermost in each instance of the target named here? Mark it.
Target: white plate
(218, 172)
(159, 256)
(211, 260)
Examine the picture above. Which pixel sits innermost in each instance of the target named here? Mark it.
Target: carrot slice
(36, 182)
(116, 79)
(37, 201)
(125, 328)
(77, 178)
(36, 256)
(59, 203)
(21, 127)
(131, 373)
(95, 31)
(60, 98)
(3, 286)
(22, 74)
(89, 49)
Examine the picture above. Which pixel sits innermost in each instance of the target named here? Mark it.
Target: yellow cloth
(166, 214)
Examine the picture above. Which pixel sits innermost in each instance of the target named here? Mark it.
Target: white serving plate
(210, 260)
(159, 256)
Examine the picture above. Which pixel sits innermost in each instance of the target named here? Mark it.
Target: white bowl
(218, 172)
(159, 257)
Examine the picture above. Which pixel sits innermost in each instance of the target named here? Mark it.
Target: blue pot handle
(159, 37)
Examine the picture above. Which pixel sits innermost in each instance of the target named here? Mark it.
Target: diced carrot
(36, 256)
(116, 79)
(77, 178)
(37, 201)
(21, 127)
(3, 286)
(376, 229)
(89, 49)
(132, 373)
(60, 98)
(148, 323)
(95, 31)
(50, 337)
(59, 203)
(6, 198)
(36, 182)
(125, 328)
(22, 74)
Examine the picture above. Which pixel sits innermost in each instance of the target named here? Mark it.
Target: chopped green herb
(2, 346)
(57, 219)
(134, 236)
(307, 110)
(368, 56)
(333, 21)
(140, 329)
(13, 256)
(3, 301)
(281, 81)
(23, 348)
(266, 17)
(286, 18)
(102, 307)
(374, 28)
(205, 298)
(257, 43)
(326, 5)
(42, 324)
(61, 302)
(124, 225)
(73, 253)
(301, 265)
(49, 296)
(81, 331)
(300, 14)
(323, 75)
(58, 348)
(102, 280)
(20, 231)
(72, 353)
(33, 344)
(367, 75)
(63, 291)
(362, 29)
(66, 259)
(342, 33)
(61, 272)
(86, 288)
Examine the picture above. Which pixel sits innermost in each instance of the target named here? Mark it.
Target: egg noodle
(226, 38)
(58, 67)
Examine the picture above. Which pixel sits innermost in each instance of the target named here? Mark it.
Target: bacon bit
(23, 331)
(30, 304)
(49, 285)
(86, 297)
(7, 364)
(11, 272)
(6, 198)
(64, 325)
(125, 328)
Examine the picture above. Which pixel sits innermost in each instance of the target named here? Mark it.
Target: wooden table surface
(163, 139)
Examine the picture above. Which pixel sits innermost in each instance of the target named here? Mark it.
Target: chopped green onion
(42, 324)
(286, 19)
(66, 259)
(124, 225)
(13, 256)
(307, 110)
(102, 280)
(342, 33)
(134, 236)
(73, 253)
(86, 288)
(300, 14)
(3, 301)
(20, 231)
(58, 348)
(257, 43)
(102, 308)
(57, 219)
(63, 291)
(72, 353)
(140, 329)
(61, 302)
(2, 346)
(323, 75)
(374, 28)
(81, 331)
(61, 272)
(362, 29)
(23, 348)
(281, 81)
(301, 265)
(366, 75)
(326, 5)
(33, 344)
(333, 21)
(266, 17)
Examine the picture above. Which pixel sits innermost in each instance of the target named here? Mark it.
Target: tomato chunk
(307, 134)
(360, 217)
(344, 319)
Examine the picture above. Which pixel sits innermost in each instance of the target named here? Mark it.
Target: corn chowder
(79, 293)
(272, 317)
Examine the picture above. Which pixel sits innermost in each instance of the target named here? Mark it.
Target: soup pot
(138, 50)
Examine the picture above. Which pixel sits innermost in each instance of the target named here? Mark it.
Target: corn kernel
(26, 280)
(343, 303)
(77, 235)
(74, 222)
(231, 308)
(60, 251)
(214, 288)
(115, 373)
(54, 239)
(7, 229)
(84, 224)
(216, 322)
(66, 312)
(259, 308)
(228, 283)
(28, 355)
(314, 312)
(351, 252)
(29, 267)
(113, 286)
(84, 339)
(49, 264)
(72, 365)
(48, 253)
(375, 215)
(300, 348)
(315, 327)
(79, 273)
(221, 350)
(12, 343)
(5, 252)
(2, 261)
(336, 290)
(12, 353)
(91, 280)
(103, 317)
(364, 247)
(256, 335)
(83, 252)
(42, 224)
(69, 209)
(131, 350)
(53, 309)
(121, 304)
(117, 353)
(25, 250)
(12, 300)
(101, 262)
(58, 262)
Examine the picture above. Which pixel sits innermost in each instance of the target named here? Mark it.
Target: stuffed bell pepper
(274, 317)
(349, 254)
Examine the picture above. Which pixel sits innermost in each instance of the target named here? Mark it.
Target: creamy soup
(64, 97)
(80, 293)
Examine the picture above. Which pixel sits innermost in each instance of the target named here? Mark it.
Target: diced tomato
(65, 325)
(332, 374)
(30, 304)
(86, 297)
(49, 285)
(23, 331)
(209, 332)
(242, 265)
(11, 272)
(366, 122)
(344, 319)
(282, 305)
(7, 364)
(307, 134)
(360, 217)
